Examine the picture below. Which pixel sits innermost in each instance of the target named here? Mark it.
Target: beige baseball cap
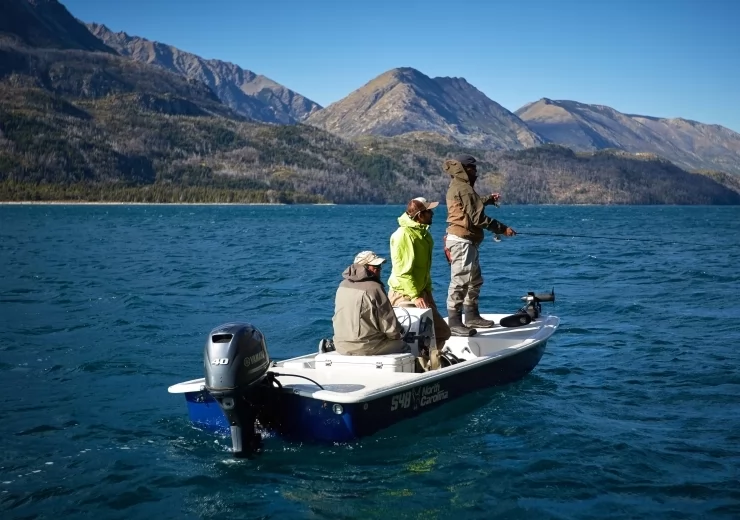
(368, 258)
(419, 204)
(427, 205)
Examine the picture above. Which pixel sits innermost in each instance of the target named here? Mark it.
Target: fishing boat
(325, 396)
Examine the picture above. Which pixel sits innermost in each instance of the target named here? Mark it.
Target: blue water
(633, 412)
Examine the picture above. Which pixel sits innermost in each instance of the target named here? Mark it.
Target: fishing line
(568, 235)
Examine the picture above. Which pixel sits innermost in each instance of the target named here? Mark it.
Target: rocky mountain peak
(46, 23)
(405, 99)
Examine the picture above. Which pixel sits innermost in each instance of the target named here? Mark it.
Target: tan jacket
(466, 217)
(364, 321)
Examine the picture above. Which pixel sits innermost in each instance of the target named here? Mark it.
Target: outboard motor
(236, 363)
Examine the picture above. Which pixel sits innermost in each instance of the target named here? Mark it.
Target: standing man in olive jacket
(466, 221)
(364, 321)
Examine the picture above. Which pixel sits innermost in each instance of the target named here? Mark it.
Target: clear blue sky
(664, 58)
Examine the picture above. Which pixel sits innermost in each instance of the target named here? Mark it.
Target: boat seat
(403, 362)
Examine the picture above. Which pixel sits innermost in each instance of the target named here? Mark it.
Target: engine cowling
(236, 364)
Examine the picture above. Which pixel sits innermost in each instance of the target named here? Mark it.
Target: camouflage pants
(465, 275)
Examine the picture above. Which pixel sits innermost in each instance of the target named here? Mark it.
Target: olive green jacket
(466, 217)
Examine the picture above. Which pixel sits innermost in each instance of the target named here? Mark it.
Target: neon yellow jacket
(411, 256)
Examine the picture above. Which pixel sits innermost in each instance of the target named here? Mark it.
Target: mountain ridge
(588, 127)
(248, 93)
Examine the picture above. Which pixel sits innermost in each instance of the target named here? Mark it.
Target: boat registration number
(419, 397)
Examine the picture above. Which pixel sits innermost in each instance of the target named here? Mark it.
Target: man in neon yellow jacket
(410, 282)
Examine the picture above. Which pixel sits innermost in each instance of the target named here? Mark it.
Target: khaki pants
(441, 329)
(377, 348)
(465, 275)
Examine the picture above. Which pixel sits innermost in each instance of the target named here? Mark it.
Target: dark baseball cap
(465, 159)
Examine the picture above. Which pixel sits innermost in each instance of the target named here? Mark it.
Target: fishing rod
(569, 235)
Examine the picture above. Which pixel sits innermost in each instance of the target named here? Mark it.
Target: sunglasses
(431, 212)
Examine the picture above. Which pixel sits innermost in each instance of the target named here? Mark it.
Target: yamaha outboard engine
(236, 363)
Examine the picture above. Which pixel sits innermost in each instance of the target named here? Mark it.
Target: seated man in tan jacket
(364, 321)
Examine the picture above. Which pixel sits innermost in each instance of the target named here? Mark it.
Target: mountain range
(404, 100)
(123, 118)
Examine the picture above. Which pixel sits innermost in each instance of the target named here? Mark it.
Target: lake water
(633, 412)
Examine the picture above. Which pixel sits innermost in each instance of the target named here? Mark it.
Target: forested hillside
(80, 122)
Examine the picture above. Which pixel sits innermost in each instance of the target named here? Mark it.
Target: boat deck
(352, 379)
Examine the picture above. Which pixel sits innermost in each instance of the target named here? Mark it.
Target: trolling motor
(236, 366)
(533, 307)
(531, 310)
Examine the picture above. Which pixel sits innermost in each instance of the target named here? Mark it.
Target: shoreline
(80, 203)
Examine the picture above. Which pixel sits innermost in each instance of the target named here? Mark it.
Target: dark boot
(456, 325)
(473, 318)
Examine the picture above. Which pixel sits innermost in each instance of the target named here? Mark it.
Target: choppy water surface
(634, 411)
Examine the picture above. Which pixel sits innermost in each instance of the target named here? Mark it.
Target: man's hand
(509, 232)
(421, 302)
(493, 198)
